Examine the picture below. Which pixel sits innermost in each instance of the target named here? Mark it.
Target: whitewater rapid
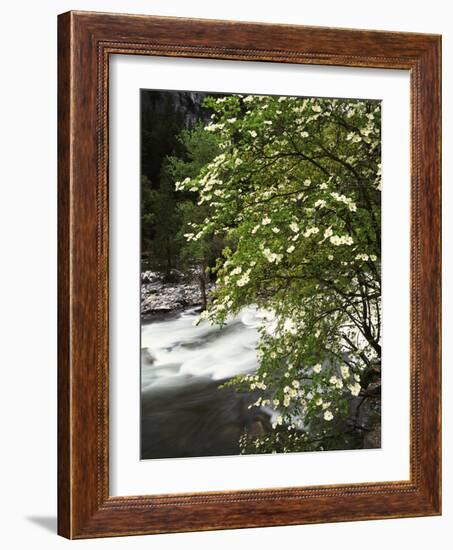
(176, 349)
(185, 410)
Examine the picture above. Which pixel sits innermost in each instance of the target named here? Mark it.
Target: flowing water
(184, 412)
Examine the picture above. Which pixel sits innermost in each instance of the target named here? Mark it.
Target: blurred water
(176, 348)
(184, 412)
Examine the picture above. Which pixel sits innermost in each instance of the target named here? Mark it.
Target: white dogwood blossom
(295, 199)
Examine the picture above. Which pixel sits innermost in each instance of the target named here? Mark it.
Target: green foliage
(149, 208)
(197, 255)
(160, 225)
(198, 147)
(295, 194)
(166, 218)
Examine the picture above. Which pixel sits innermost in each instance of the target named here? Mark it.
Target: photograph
(260, 274)
(229, 221)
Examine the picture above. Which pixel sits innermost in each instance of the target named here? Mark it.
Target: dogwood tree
(295, 194)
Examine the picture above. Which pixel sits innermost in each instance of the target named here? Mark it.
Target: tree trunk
(168, 262)
(202, 282)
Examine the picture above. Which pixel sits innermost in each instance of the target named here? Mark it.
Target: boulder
(158, 297)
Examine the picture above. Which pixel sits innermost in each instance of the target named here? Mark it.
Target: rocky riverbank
(159, 298)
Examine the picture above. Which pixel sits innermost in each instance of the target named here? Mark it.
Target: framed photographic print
(249, 275)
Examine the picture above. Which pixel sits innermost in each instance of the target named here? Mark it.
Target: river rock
(158, 297)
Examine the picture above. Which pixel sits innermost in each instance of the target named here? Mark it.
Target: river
(184, 413)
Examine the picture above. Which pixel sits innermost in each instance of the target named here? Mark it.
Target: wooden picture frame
(85, 41)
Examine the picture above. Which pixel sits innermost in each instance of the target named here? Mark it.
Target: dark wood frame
(85, 41)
